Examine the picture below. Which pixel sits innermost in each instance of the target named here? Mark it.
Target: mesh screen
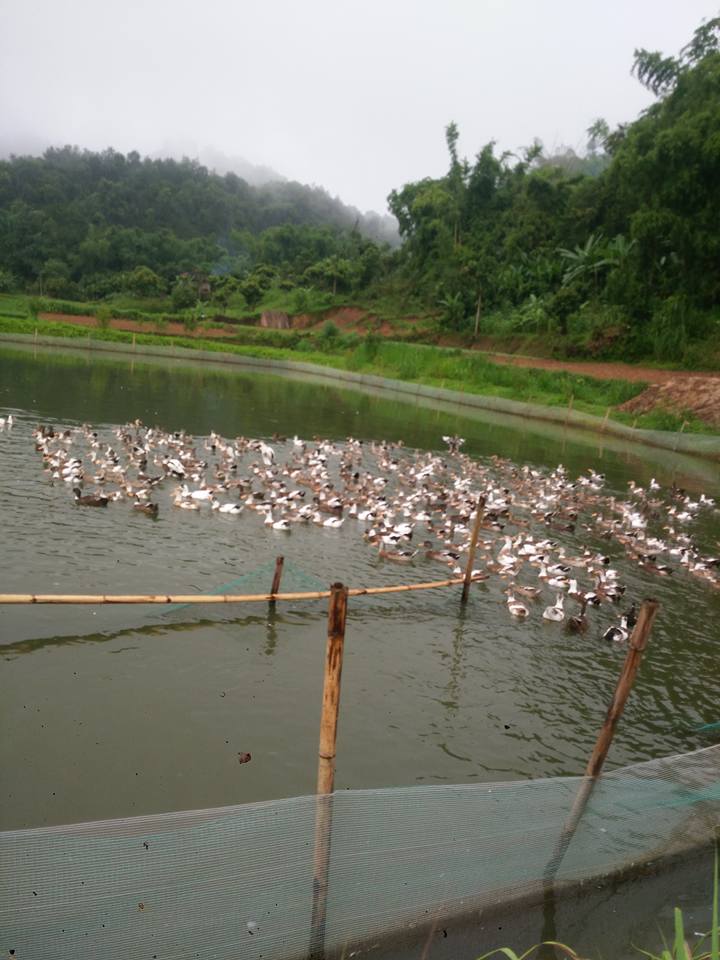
(237, 881)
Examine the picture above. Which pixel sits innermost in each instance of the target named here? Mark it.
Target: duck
(578, 622)
(617, 634)
(556, 612)
(90, 499)
(531, 593)
(233, 508)
(517, 608)
(281, 524)
(397, 556)
(149, 509)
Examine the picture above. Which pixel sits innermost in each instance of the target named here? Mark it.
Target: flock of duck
(405, 504)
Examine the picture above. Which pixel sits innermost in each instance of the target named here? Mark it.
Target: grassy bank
(453, 369)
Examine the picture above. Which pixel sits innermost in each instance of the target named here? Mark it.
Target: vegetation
(707, 946)
(450, 368)
(620, 262)
(613, 254)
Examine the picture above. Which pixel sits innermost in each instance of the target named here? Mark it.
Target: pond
(117, 711)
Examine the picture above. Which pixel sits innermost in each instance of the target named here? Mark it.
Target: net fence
(238, 881)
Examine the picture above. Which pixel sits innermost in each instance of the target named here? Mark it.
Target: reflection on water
(123, 710)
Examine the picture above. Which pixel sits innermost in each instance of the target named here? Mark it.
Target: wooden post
(677, 438)
(477, 316)
(605, 419)
(569, 408)
(636, 647)
(337, 614)
(480, 513)
(277, 576)
(134, 344)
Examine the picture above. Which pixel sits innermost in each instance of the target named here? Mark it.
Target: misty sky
(353, 95)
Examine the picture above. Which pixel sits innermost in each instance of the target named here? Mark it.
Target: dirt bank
(134, 326)
(604, 371)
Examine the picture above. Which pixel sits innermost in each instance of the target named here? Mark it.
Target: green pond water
(116, 711)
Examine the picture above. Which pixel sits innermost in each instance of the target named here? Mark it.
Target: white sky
(353, 95)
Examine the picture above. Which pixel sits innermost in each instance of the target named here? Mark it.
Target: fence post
(277, 577)
(473, 547)
(636, 647)
(337, 614)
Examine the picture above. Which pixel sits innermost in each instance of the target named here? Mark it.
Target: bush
(453, 307)
(668, 329)
(144, 282)
(183, 295)
(7, 281)
(329, 331)
(371, 345)
(103, 315)
(37, 305)
(301, 300)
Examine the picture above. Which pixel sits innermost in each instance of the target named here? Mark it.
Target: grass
(454, 369)
(678, 949)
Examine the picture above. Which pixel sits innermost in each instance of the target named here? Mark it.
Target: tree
(183, 293)
(144, 282)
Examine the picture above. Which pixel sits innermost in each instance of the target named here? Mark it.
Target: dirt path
(604, 371)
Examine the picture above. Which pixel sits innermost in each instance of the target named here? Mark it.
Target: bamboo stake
(677, 438)
(569, 408)
(479, 514)
(605, 420)
(337, 615)
(636, 648)
(102, 598)
(477, 316)
(277, 577)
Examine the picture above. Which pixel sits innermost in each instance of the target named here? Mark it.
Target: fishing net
(258, 581)
(238, 881)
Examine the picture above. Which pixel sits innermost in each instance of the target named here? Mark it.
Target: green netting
(237, 881)
(259, 580)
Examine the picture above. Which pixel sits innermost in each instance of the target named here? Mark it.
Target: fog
(353, 96)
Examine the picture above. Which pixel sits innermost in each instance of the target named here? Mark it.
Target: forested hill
(631, 253)
(97, 213)
(615, 253)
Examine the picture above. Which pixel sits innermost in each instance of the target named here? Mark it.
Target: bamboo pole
(636, 648)
(193, 598)
(680, 431)
(479, 514)
(569, 408)
(277, 577)
(337, 615)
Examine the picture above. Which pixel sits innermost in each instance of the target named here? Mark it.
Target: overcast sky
(353, 95)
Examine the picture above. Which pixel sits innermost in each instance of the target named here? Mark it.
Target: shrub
(183, 295)
(103, 315)
(329, 331)
(668, 329)
(7, 281)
